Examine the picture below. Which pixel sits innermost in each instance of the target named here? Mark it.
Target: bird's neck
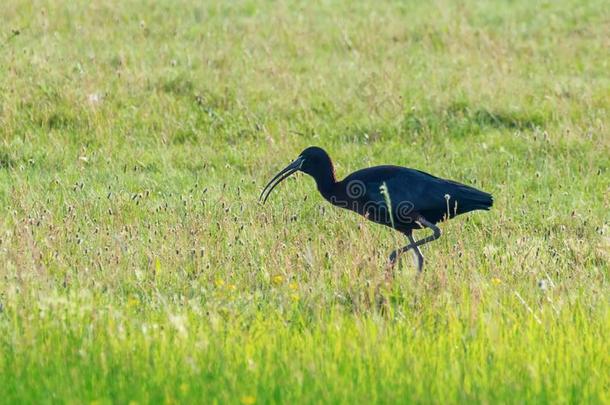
(326, 185)
(325, 181)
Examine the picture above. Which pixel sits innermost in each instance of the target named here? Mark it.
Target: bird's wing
(402, 185)
(408, 190)
(364, 185)
(417, 192)
(436, 198)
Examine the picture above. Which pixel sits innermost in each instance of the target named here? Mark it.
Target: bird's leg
(416, 244)
(417, 253)
(394, 255)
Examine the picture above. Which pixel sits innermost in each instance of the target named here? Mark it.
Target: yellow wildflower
(133, 302)
(248, 400)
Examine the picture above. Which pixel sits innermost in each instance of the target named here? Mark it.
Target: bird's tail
(470, 199)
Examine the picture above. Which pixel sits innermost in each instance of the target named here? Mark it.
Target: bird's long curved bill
(287, 171)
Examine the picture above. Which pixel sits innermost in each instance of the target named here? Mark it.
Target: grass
(137, 265)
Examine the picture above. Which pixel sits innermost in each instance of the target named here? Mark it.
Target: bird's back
(412, 193)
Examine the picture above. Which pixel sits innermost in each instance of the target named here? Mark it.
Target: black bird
(414, 198)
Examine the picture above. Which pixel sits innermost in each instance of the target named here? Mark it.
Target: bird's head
(313, 161)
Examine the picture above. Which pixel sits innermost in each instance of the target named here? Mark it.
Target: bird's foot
(389, 268)
(392, 258)
(389, 276)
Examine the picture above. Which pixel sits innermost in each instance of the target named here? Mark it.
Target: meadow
(137, 266)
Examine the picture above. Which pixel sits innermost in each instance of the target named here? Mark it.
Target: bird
(398, 197)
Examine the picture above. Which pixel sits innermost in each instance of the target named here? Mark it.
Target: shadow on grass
(460, 119)
(6, 161)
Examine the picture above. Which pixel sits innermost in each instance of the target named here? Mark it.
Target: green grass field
(137, 266)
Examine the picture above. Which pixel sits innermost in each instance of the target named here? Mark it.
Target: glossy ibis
(414, 198)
